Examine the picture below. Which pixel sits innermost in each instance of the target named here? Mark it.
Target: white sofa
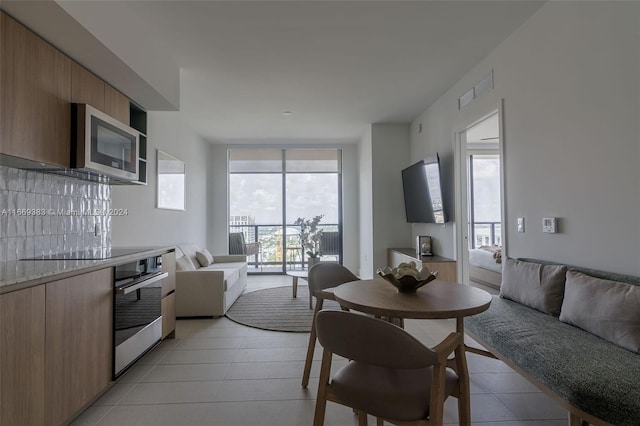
(207, 291)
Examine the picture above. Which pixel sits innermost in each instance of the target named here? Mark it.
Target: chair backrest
(326, 275)
(371, 341)
(236, 243)
(330, 243)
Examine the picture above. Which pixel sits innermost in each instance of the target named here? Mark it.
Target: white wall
(146, 225)
(365, 200)
(218, 204)
(569, 80)
(350, 211)
(383, 151)
(390, 154)
(218, 236)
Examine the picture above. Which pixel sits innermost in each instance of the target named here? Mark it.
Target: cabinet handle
(139, 284)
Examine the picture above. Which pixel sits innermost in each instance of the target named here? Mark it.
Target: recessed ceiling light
(287, 113)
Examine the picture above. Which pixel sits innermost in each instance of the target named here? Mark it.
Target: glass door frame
(284, 225)
(461, 231)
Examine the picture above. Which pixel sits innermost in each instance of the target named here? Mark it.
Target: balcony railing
(486, 234)
(280, 246)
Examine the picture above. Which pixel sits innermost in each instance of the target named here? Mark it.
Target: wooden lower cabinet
(79, 317)
(22, 357)
(169, 295)
(447, 268)
(169, 315)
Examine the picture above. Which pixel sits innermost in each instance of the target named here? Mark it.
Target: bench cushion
(590, 373)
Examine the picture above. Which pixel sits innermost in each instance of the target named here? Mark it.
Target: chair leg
(464, 402)
(321, 399)
(362, 418)
(312, 345)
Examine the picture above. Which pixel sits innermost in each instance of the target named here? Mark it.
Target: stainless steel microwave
(104, 145)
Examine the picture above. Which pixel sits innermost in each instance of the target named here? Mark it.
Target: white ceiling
(337, 65)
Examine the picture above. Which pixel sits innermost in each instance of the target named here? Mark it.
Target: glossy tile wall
(43, 213)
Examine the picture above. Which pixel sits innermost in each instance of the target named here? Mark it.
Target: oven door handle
(139, 284)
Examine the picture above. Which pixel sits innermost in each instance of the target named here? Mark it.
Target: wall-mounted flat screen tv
(421, 183)
(434, 183)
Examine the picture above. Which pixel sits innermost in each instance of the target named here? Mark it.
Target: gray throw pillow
(183, 263)
(535, 285)
(204, 257)
(608, 309)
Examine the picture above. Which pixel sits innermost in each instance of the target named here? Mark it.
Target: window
(270, 188)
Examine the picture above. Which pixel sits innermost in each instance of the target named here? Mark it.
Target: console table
(447, 268)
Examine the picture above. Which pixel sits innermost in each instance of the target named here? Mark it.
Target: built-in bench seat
(595, 380)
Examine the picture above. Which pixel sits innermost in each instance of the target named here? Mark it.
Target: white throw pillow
(608, 309)
(535, 285)
(183, 263)
(204, 257)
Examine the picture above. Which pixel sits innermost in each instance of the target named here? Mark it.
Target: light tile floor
(217, 372)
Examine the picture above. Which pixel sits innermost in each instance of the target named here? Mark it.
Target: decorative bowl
(407, 283)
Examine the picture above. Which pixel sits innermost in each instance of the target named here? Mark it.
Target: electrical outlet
(521, 224)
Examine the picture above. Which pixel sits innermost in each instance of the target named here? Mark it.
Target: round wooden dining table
(436, 300)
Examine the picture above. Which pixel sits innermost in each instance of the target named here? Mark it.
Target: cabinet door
(116, 104)
(86, 87)
(79, 312)
(169, 295)
(169, 315)
(446, 270)
(169, 266)
(35, 82)
(22, 343)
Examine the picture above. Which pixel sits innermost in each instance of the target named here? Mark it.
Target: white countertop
(20, 274)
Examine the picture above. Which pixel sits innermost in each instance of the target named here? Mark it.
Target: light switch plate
(549, 225)
(521, 224)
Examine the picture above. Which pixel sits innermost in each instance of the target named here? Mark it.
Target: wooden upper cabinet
(37, 85)
(36, 89)
(116, 104)
(86, 87)
(22, 354)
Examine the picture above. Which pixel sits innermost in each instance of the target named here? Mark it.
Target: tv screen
(432, 171)
(423, 192)
(417, 204)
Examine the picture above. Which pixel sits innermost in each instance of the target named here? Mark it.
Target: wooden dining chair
(390, 375)
(322, 278)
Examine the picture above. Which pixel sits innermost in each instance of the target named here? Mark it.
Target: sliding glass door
(270, 189)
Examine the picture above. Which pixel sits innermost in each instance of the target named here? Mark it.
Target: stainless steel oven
(137, 310)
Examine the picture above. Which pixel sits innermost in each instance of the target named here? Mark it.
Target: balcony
(486, 234)
(280, 250)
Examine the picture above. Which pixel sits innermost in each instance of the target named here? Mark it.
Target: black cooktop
(89, 254)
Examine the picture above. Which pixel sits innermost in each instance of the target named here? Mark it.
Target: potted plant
(310, 237)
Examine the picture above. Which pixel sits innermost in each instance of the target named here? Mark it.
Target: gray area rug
(276, 309)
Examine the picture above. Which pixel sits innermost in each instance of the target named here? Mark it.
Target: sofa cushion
(533, 284)
(183, 263)
(609, 309)
(189, 251)
(204, 257)
(591, 373)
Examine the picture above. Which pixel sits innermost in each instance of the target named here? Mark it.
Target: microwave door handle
(143, 283)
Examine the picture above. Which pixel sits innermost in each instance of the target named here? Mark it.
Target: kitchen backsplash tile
(43, 214)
